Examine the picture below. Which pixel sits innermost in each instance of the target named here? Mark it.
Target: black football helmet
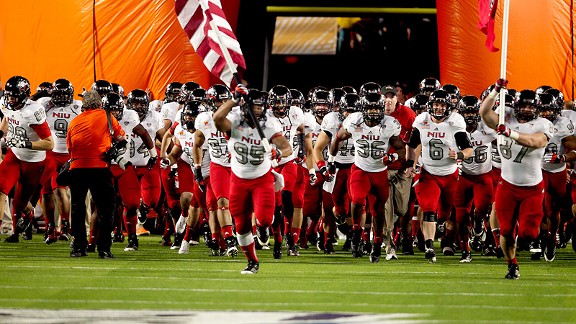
(420, 103)
(118, 89)
(114, 104)
(279, 98)
(542, 89)
(298, 99)
(216, 95)
(103, 87)
(320, 103)
(349, 89)
(548, 107)
(186, 91)
(138, 101)
(189, 113)
(62, 93)
(349, 103)
(335, 94)
(44, 89)
(469, 108)
(369, 87)
(257, 101)
(368, 103)
(198, 94)
(509, 101)
(172, 92)
(526, 106)
(558, 95)
(454, 93)
(429, 85)
(16, 91)
(439, 97)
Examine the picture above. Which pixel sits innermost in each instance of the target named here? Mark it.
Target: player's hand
(275, 155)
(151, 162)
(554, 158)
(240, 91)
(312, 178)
(164, 163)
(502, 129)
(19, 143)
(325, 171)
(410, 172)
(500, 84)
(389, 158)
(199, 177)
(123, 163)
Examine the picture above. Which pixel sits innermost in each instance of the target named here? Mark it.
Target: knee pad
(287, 204)
(430, 217)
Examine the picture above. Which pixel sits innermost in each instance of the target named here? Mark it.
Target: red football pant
(436, 193)
(522, 205)
(473, 188)
(150, 187)
(220, 180)
(252, 196)
(26, 174)
(371, 185)
(341, 193)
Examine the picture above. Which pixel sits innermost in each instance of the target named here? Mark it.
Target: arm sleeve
(414, 140)
(462, 140)
(43, 130)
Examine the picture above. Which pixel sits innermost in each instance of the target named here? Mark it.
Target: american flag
(198, 17)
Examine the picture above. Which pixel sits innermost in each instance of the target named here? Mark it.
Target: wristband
(460, 155)
(409, 163)
(331, 158)
(320, 164)
(514, 135)
(153, 152)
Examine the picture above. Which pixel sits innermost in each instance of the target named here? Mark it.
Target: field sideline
(37, 276)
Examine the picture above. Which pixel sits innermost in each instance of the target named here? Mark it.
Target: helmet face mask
(216, 95)
(16, 92)
(372, 107)
(320, 103)
(419, 104)
(256, 101)
(189, 113)
(279, 98)
(103, 87)
(526, 107)
(439, 105)
(429, 85)
(62, 93)
(548, 107)
(349, 103)
(138, 101)
(298, 99)
(114, 104)
(172, 92)
(469, 108)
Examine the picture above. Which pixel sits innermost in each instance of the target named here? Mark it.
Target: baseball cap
(388, 89)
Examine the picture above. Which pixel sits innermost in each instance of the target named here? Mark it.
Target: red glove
(500, 84)
(240, 91)
(502, 129)
(389, 158)
(554, 158)
(324, 171)
(276, 154)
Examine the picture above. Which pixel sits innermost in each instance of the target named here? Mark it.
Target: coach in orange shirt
(88, 141)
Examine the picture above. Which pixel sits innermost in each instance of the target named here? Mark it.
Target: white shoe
(391, 255)
(181, 224)
(192, 242)
(184, 247)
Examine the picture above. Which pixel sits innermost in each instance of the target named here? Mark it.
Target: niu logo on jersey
(371, 137)
(250, 140)
(315, 135)
(217, 134)
(13, 121)
(188, 144)
(61, 115)
(436, 134)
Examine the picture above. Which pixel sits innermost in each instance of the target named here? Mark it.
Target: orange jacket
(88, 138)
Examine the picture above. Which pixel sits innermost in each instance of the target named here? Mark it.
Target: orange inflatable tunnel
(138, 44)
(540, 45)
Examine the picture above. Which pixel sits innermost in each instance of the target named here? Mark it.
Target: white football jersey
(437, 140)
(155, 105)
(215, 139)
(249, 160)
(129, 120)
(481, 161)
(570, 114)
(186, 139)
(371, 143)
(58, 119)
(169, 111)
(563, 128)
(332, 124)
(521, 165)
(19, 128)
(313, 129)
(140, 154)
(294, 118)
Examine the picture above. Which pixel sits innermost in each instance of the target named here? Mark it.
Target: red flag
(196, 17)
(487, 12)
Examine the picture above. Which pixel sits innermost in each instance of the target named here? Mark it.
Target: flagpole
(504, 55)
(234, 71)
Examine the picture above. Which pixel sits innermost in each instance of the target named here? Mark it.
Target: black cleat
(430, 255)
(118, 236)
(328, 248)
(14, 238)
(65, 231)
(550, 250)
(132, 243)
(367, 248)
(355, 244)
(231, 248)
(277, 253)
(50, 235)
(178, 237)
(535, 250)
(466, 257)
(91, 248)
(77, 250)
(376, 253)
(251, 268)
(347, 246)
(105, 255)
(262, 235)
(143, 212)
(513, 272)
(407, 248)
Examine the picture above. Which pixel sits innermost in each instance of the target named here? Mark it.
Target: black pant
(99, 182)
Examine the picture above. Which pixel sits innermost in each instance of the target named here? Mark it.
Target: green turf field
(37, 276)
